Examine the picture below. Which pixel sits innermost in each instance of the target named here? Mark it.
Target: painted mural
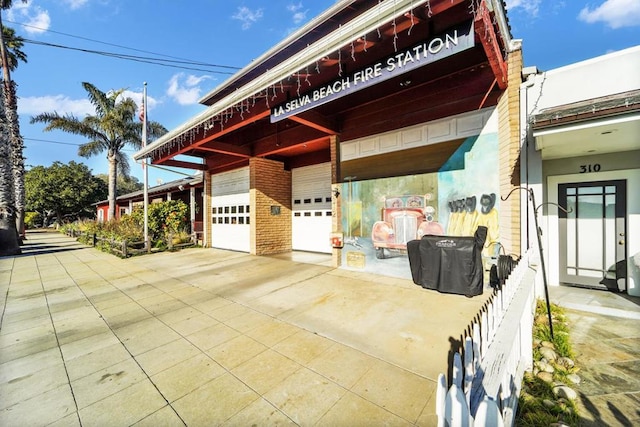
(380, 216)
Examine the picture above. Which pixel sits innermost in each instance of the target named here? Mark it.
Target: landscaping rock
(548, 353)
(548, 403)
(566, 362)
(547, 344)
(565, 391)
(545, 367)
(545, 376)
(575, 379)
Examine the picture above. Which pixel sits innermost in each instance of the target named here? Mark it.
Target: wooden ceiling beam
(184, 165)
(201, 139)
(216, 165)
(438, 6)
(486, 33)
(317, 121)
(223, 148)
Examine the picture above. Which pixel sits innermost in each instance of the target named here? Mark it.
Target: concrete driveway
(211, 337)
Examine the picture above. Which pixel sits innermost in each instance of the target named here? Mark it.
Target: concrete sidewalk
(209, 337)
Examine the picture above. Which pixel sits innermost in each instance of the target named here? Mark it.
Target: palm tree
(12, 192)
(111, 129)
(13, 49)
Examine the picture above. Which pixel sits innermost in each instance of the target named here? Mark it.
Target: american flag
(141, 114)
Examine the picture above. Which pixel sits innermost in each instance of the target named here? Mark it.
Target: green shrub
(170, 217)
(166, 219)
(32, 219)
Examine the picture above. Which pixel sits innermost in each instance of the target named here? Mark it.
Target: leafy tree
(112, 128)
(124, 184)
(65, 191)
(11, 152)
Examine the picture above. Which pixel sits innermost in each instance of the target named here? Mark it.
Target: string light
(411, 27)
(340, 56)
(395, 32)
(378, 26)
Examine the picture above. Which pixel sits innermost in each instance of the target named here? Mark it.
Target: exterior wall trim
(455, 127)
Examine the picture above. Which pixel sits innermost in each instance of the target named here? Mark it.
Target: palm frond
(98, 98)
(13, 44)
(155, 130)
(68, 123)
(123, 164)
(91, 149)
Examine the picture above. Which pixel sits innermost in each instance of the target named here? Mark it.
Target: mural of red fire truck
(404, 218)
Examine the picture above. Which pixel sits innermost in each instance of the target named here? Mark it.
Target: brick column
(509, 146)
(206, 210)
(336, 202)
(270, 192)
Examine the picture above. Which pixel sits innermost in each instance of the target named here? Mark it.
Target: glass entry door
(592, 235)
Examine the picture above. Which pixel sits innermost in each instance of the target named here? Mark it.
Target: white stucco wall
(596, 77)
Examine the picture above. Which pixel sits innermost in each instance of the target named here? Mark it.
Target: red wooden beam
(486, 33)
(221, 147)
(183, 164)
(223, 131)
(316, 121)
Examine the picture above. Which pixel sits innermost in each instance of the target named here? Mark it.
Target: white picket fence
(484, 390)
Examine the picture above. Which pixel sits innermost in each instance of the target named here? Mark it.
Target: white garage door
(311, 193)
(230, 206)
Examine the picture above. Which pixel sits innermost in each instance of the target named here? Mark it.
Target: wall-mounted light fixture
(336, 193)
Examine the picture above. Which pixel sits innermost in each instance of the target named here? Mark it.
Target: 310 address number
(590, 168)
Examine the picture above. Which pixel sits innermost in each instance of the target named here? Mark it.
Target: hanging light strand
(412, 16)
(378, 26)
(395, 28)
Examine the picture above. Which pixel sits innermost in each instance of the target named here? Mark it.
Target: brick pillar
(509, 146)
(336, 202)
(206, 210)
(270, 192)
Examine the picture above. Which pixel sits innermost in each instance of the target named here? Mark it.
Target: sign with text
(432, 50)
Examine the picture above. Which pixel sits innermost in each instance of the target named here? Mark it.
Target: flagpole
(145, 167)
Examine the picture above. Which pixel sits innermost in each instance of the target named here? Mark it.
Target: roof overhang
(346, 33)
(349, 36)
(596, 126)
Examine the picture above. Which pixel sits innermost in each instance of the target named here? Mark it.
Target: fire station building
(374, 124)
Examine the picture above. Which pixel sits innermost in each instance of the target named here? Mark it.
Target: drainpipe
(528, 74)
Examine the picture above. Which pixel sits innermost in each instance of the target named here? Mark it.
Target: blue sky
(226, 33)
